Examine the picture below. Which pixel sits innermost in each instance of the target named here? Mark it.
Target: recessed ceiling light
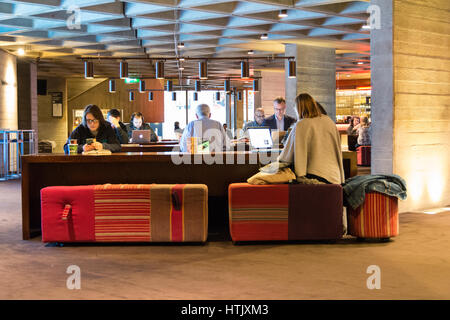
(365, 27)
(21, 52)
(282, 14)
(250, 52)
(264, 36)
(360, 62)
(181, 59)
(181, 68)
(181, 45)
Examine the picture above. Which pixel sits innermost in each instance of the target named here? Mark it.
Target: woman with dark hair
(137, 123)
(314, 145)
(94, 126)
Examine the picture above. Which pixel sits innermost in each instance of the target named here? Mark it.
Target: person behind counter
(113, 117)
(279, 120)
(205, 128)
(137, 123)
(314, 145)
(364, 132)
(95, 126)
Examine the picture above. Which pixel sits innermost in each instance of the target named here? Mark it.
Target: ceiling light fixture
(198, 86)
(245, 71)
(292, 71)
(88, 70)
(21, 52)
(360, 62)
(250, 52)
(227, 86)
(160, 70)
(181, 59)
(264, 36)
(239, 95)
(142, 86)
(255, 85)
(218, 95)
(131, 96)
(169, 85)
(365, 27)
(150, 96)
(180, 45)
(282, 14)
(195, 96)
(174, 96)
(123, 69)
(112, 86)
(203, 70)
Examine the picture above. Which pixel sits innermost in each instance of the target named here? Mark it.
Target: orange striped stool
(125, 213)
(376, 218)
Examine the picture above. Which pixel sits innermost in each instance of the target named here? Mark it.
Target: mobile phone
(90, 141)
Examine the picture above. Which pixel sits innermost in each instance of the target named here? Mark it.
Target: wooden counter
(154, 147)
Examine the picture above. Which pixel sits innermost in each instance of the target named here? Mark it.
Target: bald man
(206, 129)
(259, 119)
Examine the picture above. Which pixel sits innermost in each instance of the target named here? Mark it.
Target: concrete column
(8, 91)
(382, 99)
(316, 75)
(27, 95)
(410, 99)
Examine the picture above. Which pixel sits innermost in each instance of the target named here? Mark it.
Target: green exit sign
(131, 80)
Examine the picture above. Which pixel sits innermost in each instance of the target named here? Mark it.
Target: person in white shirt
(205, 128)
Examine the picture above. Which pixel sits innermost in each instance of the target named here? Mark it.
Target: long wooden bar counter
(45, 170)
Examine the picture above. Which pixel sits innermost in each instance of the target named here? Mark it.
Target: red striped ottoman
(363, 155)
(285, 212)
(125, 213)
(376, 218)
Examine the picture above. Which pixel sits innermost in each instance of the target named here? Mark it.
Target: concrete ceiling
(59, 32)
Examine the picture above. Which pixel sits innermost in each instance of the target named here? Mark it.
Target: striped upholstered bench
(125, 213)
(285, 212)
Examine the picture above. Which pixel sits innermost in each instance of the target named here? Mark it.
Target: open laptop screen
(140, 136)
(260, 137)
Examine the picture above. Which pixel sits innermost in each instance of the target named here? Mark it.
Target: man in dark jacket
(279, 121)
(113, 117)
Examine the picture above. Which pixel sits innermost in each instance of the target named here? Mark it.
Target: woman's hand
(88, 147)
(98, 145)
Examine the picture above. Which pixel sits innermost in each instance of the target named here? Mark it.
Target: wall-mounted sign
(57, 104)
(131, 80)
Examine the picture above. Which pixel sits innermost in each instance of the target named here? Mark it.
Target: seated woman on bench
(314, 145)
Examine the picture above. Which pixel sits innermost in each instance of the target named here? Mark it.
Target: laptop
(140, 136)
(260, 138)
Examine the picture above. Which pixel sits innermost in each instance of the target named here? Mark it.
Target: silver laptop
(260, 138)
(140, 136)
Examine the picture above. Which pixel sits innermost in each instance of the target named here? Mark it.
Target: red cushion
(80, 227)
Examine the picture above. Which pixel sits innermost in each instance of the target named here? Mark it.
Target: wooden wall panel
(153, 111)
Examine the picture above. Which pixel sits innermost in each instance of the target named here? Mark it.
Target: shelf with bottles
(353, 103)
